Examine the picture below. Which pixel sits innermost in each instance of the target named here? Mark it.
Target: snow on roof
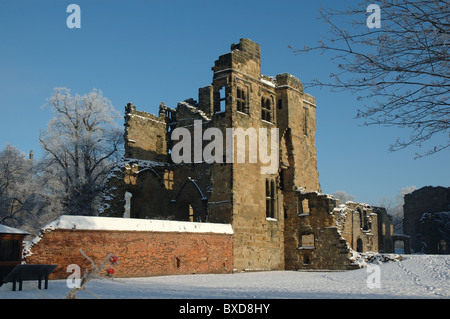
(135, 224)
(268, 80)
(9, 230)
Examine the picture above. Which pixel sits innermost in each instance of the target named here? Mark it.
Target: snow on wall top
(9, 230)
(126, 224)
(135, 224)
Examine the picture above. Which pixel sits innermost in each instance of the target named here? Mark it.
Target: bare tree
(81, 144)
(401, 68)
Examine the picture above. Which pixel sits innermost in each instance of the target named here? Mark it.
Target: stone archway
(405, 240)
(149, 197)
(190, 203)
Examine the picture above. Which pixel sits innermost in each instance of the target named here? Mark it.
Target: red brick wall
(141, 253)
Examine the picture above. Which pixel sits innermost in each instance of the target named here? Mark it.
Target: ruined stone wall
(321, 235)
(385, 230)
(245, 57)
(435, 234)
(255, 203)
(358, 224)
(312, 236)
(160, 191)
(258, 240)
(145, 135)
(424, 200)
(214, 179)
(297, 122)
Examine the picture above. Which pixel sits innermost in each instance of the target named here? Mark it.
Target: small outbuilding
(11, 243)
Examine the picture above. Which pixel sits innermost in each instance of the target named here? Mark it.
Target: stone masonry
(427, 219)
(264, 209)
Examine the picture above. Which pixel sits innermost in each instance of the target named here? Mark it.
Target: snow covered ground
(416, 276)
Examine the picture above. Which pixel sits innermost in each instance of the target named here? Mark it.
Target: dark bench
(22, 273)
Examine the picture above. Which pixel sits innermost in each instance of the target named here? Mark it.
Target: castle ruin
(427, 219)
(280, 219)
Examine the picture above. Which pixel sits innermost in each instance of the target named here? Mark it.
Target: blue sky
(147, 52)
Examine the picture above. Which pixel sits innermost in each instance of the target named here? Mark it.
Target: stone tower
(241, 98)
(252, 195)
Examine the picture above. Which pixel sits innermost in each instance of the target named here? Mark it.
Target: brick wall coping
(135, 224)
(92, 223)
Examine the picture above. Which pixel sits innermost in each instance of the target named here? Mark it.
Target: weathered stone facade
(321, 234)
(385, 230)
(427, 219)
(312, 237)
(263, 207)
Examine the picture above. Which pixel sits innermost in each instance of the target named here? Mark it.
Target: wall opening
(270, 198)
(306, 259)
(191, 213)
(222, 99)
(280, 104)
(242, 100)
(190, 203)
(359, 245)
(365, 221)
(266, 109)
(304, 207)
(168, 179)
(361, 218)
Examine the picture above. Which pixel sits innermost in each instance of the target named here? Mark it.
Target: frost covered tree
(24, 202)
(395, 207)
(15, 170)
(81, 144)
(397, 58)
(343, 197)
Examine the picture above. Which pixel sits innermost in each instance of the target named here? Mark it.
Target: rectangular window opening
(266, 109)
(280, 104)
(242, 100)
(270, 199)
(304, 207)
(222, 99)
